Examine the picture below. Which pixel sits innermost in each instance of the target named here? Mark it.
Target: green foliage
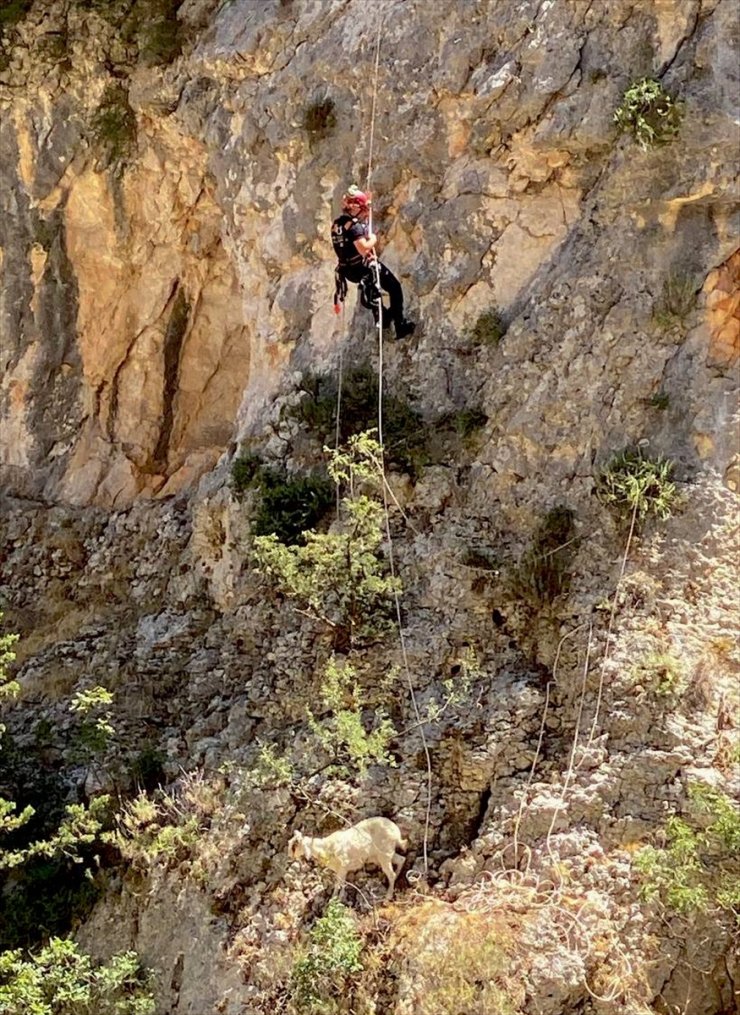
(113, 127)
(243, 470)
(677, 300)
(660, 401)
(489, 329)
(544, 570)
(320, 118)
(340, 578)
(80, 826)
(8, 688)
(467, 421)
(96, 730)
(649, 114)
(638, 485)
(158, 31)
(272, 768)
(660, 672)
(11, 12)
(287, 506)
(700, 864)
(323, 973)
(160, 832)
(343, 732)
(62, 980)
(290, 505)
(404, 431)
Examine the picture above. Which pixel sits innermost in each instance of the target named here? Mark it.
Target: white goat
(373, 840)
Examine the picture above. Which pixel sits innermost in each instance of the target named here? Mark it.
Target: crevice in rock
(173, 339)
(476, 822)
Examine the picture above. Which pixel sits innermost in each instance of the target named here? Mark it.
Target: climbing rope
(384, 484)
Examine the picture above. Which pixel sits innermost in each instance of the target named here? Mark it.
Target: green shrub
(489, 329)
(677, 300)
(243, 470)
(287, 506)
(164, 830)
(13, 11)
(147, 768)
(637, 485)
(404, 431)
(159, 34)
(320, 118)
(95, 731)
(290, 505)
(340, 578)
(62, 980)
(323, 973)
(649, 114)
(544, 570)
(661, 673)
(467, 421)
(699, 866)
(660, 401)
(113, 127)
(8, 688)
(343, 731)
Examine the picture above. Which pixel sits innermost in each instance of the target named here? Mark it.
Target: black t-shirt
(344, 231)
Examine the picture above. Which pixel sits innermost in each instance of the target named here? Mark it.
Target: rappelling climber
(354, 245)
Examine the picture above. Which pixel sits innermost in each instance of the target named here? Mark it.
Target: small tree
(325, 969)
(343, 731)
(62, 980)
(340, 578)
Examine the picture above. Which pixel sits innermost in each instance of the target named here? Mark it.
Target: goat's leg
(339, 886)
(391, 874)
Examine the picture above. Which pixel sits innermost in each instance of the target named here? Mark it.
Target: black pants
(364, 276)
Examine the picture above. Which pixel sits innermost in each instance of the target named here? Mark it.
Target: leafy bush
(677, 300)
(339, 578)
(61, 980)
(700, 864)
(322, 974)
(167, 829)
(404, 431)
(649, 113)
(320, 118)
(287, 506)
(467, 421)
(243, 470)
(290, 505)
(544, 570)
(113, 127)
(489, 329)
(343, 733)
(96, 730)
(11, 12)
(660, 401)
(637, 485)
(159, 33)
(660, 672)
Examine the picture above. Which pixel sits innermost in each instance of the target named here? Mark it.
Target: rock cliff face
(166, 283)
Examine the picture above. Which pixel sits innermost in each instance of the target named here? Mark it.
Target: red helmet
(356, 196)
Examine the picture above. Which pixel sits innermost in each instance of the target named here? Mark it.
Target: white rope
(391, 559)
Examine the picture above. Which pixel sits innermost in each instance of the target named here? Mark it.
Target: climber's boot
(405, 328)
